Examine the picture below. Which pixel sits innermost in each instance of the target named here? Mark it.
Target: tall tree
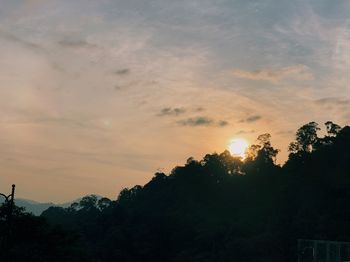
(306, 138)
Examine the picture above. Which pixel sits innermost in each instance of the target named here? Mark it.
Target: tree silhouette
(332, 128)
(306, 138)
(33, 239)
(219, 208)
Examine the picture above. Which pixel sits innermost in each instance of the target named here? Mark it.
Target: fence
(323, 251)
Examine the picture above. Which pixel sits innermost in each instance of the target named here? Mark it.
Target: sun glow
(238, 147)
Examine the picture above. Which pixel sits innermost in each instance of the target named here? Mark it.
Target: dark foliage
(217, 209)
(27, 238)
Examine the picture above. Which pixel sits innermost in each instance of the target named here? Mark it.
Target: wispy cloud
(121, 72)
(202, 121)
(339, 107)
(169, 111)
(76, 43)
(223, 123)
(332, 101)
(199, 109)
(298, 73)
(250, 119)
(197, 121)
(244, 132)
(15, 39)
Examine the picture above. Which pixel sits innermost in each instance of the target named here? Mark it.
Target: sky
(98, 95)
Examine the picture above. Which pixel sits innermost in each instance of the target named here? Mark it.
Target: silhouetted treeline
(219, 209)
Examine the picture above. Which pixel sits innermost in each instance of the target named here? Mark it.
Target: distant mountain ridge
(37, 208)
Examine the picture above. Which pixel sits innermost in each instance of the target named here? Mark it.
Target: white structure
(323, 251)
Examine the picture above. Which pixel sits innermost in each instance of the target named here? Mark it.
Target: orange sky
(98, 95)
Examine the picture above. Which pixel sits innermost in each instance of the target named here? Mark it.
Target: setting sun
(238, 147)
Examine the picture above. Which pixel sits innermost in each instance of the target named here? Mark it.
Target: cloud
(76, 43)
(13, 38)
(185, 49)
(57, 67)
(53, 120)
(199, 109)
(243, 132)
(250, 119)
(197, 121)
(338, 106)
(39, 118)
(117, 87)
(297, 72)
(168, 111)
(223, 123)
(332, 101)
(202, 121)
(124, 71)
(62, 121)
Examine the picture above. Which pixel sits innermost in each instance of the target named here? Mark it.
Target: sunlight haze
(96, 96)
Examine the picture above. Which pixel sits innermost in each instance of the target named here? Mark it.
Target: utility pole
(5, 236)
